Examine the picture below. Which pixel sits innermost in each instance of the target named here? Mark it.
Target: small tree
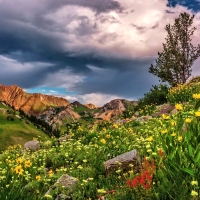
(174, 62)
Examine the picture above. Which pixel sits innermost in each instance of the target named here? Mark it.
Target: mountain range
(55, 110)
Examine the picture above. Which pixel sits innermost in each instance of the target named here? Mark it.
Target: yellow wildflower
(179, 107)
(164, 131)
(19, 160)
(194, 183)
(38, 177)
(118, 171)
(165, 116)
(188, 120)
(150, 139)
(101, 191)
(80, 167)
(50, 173)
(194, 193)
(173, 123)
(173, 134)
(130, 172)
(108, 136)
(180, 138)
(196, 96)
(103, 141)
(28, 163)
(19, 170)
(197, 114)
(115, 126)
(104, 129)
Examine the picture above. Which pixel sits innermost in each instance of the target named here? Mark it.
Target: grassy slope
(17, 131)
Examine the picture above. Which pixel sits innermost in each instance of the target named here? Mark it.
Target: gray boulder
(32, 145)
(125, 160)
(66, 181)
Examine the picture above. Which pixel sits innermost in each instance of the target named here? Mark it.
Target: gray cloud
(97, 5)
(128, 83)
(142, 29)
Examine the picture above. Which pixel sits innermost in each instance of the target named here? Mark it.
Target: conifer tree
(174, 62)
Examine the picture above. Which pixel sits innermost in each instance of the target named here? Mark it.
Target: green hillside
(14, 130)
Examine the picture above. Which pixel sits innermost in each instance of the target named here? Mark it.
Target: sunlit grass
(17, 131)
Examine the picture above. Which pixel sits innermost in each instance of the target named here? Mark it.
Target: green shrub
(156, 96)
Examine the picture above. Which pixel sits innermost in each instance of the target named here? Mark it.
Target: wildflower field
(168, 145)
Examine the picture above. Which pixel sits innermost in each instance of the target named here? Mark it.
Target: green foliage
(156, 96)
(174, 62)
(182, 158)
(81, 109)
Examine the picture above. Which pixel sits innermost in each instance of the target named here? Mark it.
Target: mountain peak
(30, 103)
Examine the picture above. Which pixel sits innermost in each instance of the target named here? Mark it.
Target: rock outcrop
(91, 106)
(114, 108)
(125, 160)
(54, 116)
(33, 104)
(67, 182)
(115, 104)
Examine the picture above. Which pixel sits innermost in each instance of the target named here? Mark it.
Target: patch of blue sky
(191, 4)
(50, 90)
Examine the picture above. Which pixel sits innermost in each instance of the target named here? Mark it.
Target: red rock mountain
(33, 104)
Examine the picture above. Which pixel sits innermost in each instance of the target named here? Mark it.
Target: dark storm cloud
(27, 43)
(127, 83)
(24, 79)
(97, 5)
(33, 38)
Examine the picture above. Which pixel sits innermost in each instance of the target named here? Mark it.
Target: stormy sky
(87, 50)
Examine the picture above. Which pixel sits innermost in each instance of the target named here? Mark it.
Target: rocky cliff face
(116, 104)
(56, 116)
(33, 104)
(114, 108)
